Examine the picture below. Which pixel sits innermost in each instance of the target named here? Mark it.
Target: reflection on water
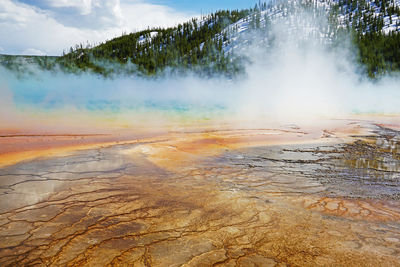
(379, 154)
(287, 205)
(367, 168)
(376, 161)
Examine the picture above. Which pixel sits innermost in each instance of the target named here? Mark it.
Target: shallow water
(175, 201)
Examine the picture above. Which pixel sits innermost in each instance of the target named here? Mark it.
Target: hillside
(191, 45)
(28, 64)
(376, 30)
(215, 43)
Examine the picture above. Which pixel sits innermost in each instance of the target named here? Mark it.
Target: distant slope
(376, 30)
(213, 44)
(191, 45)
(26, 64)
(373, 25)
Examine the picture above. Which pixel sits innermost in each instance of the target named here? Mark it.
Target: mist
(293, 79)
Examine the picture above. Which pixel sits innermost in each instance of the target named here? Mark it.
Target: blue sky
(47, 27)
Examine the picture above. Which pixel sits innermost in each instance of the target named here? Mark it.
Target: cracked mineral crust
(232, 197)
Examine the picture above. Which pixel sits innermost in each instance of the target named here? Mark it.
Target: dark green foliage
(190, 46)
(379, 52)
(23, 64)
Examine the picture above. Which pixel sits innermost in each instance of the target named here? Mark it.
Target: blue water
(94, 93)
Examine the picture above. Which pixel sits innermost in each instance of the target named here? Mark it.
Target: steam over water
(285, 81)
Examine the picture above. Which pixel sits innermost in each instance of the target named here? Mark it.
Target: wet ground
(199, 199)
(368, 167)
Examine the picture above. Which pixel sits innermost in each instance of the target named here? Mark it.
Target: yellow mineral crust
(172, 200)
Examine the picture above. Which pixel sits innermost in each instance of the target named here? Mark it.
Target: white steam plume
(294, 78)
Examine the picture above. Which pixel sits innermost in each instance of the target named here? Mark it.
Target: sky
(47, 27)
(206, 6)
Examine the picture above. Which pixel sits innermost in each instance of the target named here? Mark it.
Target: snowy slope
(390, 22)
(298, 19)
(287, 20)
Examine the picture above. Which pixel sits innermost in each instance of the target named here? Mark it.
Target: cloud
(142, 15)
(33, 52)
(84, 6)
(50, 26)
(87, 14)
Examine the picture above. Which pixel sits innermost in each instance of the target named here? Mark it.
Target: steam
(7, 109)
(291, 79)
(299, 76)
